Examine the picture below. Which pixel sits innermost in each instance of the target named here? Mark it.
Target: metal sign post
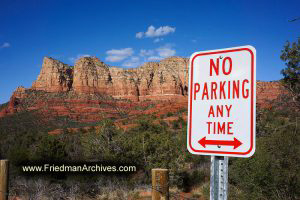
(219, 178)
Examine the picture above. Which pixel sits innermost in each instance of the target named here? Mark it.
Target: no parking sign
(222, 102)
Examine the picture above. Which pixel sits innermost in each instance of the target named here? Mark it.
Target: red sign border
(252, 101)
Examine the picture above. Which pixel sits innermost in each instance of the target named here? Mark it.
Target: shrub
(50, 149)
(169, 114)
(273, 171)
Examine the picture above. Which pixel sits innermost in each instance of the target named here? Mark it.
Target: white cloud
(129, 59)
(144, 52)
(158, 40)
(161, 31)
(134, 61)
(83, 55)
(139, 35)
(154, 58)
(115, 58)
(166, 51)
(125, 51)
(159, 53)
(153, 32)
(73, 59)
(194, 41)
(116, 55)
(5, 45)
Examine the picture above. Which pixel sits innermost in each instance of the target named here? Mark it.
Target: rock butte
(166, 80)
(90, 76)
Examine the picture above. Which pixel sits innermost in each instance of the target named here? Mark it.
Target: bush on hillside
(273, 171)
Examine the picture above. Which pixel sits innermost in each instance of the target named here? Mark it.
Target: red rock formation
(173, 75)
(268, 91)
(168, 77)
(13, 104)
(20, 92)
(91, 76)
(152, 80)
(55, 76)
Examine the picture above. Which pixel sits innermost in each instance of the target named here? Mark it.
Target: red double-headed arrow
(235, 142)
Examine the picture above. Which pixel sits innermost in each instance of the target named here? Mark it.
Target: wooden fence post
(160, 184)
(3, 179)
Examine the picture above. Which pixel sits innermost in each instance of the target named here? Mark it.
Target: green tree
(50, 148)
(101, 144)
(291, 56)
(273, 171)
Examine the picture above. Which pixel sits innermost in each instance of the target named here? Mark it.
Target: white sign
(222, 102)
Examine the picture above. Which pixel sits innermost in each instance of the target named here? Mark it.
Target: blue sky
(128, 33)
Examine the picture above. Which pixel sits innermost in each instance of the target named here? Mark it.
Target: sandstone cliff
(90, 76)
(55, 76)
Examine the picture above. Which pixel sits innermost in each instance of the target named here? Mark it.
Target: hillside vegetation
(155, 143)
